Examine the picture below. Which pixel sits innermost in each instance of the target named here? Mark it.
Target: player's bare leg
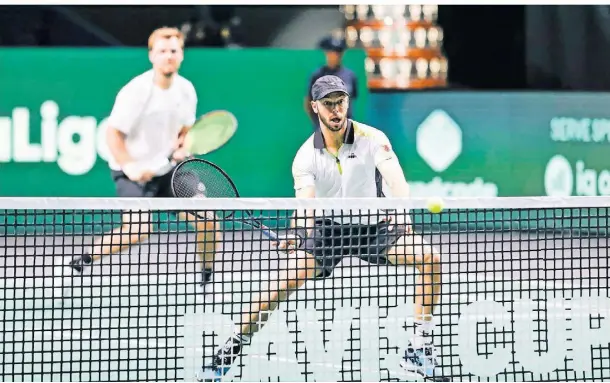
(411, 249)
(135, 228)
(209, 239)
(301, 267)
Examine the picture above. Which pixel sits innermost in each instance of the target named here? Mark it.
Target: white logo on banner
(558, 177)
(73, 142)
(353, 327)
(562, 179)
(439, 143)
(439, 140)
(361, 338)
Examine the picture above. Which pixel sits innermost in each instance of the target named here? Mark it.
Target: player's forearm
(399, 187)
(304, 218)
(116, 144)
(393, 175)
(182, 136)
(401, 190)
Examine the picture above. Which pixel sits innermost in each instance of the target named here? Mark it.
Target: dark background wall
(488, 47)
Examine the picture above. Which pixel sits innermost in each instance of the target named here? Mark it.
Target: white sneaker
(422, 361)
(221, 363)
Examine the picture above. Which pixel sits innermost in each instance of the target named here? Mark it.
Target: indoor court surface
(140, 315)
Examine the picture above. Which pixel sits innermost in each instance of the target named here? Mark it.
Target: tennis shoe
(211, 374)
(221, 363)
(423, 361)
(78, 263)
(206, 276)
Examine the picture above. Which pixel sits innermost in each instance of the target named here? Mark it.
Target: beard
(168, 72)
(333, 126)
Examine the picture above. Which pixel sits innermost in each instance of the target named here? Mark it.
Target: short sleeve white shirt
(352, 173)
(151, 118)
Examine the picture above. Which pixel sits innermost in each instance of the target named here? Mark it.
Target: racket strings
(201, 179)
(210, 132)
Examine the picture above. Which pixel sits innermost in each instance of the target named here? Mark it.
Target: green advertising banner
(499, 144)
(54, 104)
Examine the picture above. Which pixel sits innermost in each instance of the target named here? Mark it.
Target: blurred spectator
(213, 26)
(333, 47)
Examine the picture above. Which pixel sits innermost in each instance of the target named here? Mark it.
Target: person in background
(333, 48)
(148, 124)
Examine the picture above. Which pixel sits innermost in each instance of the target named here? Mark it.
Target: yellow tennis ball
(435, 205)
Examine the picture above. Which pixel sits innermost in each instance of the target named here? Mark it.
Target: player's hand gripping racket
(198, 178)
(210, 132)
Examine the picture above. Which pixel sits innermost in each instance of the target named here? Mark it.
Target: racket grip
(171, 160)
(270, 233)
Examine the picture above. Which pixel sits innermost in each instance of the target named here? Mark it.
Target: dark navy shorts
(158, 187)
(331, 241)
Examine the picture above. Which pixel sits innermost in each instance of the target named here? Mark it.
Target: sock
(242, 338)
(206, 276)
(208, 266)
(423, 333)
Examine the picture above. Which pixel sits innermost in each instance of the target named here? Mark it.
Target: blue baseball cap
(334, 44)
(326, 85)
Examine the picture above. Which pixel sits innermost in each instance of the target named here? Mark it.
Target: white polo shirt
(151, 117)
(352, 173)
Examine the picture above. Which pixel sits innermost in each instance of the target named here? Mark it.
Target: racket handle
(269, 233)
(171, 160)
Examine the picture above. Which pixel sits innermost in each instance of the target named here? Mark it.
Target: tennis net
(523, 290)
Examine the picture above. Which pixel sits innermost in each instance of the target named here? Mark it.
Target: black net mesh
(521, 293)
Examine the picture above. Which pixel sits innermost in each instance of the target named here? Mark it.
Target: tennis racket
(198, 178)
(210, 132)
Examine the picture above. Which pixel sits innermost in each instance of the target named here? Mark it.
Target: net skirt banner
(525, 299)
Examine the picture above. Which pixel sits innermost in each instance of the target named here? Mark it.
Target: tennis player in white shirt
(346, 159)
(149, 120)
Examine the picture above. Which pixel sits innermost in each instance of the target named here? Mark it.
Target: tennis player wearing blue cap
(346, 159)
(334, 49)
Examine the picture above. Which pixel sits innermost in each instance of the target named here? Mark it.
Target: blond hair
(165, 33)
